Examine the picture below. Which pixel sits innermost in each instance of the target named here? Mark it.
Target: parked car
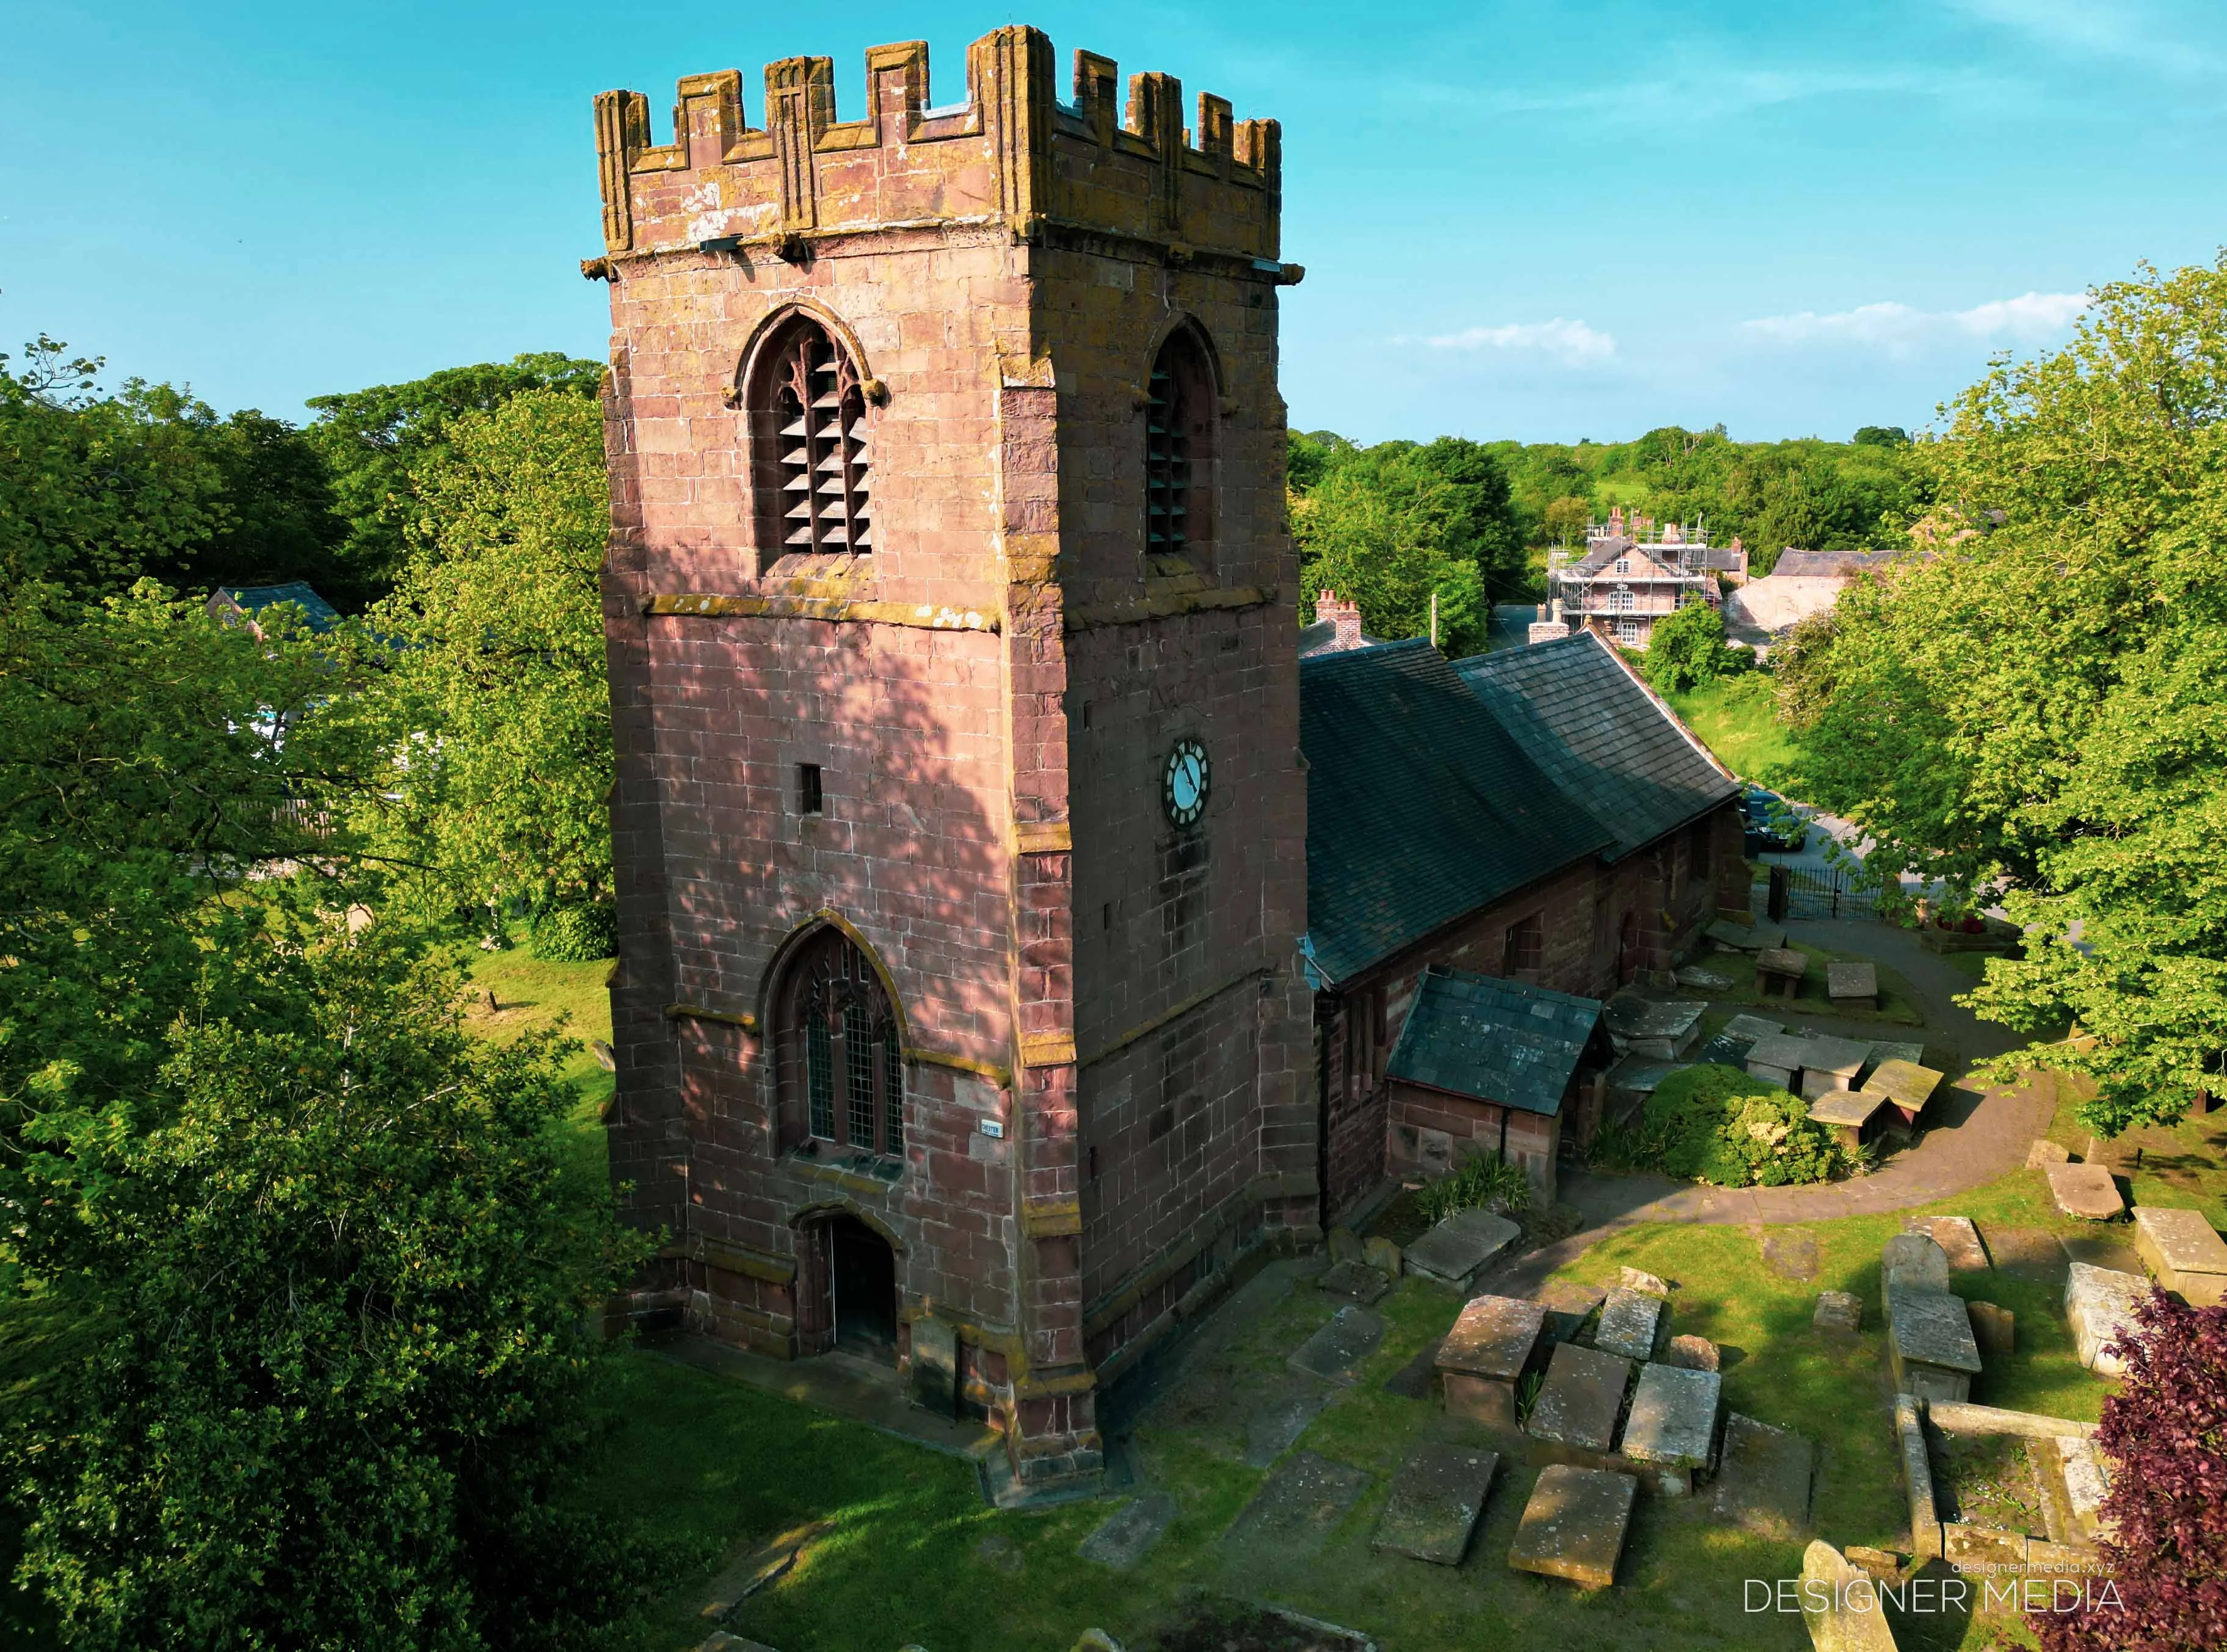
(1769, 825)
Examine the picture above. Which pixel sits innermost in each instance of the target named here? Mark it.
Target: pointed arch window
(842, 1058)
(1180, 410)
(807, 403)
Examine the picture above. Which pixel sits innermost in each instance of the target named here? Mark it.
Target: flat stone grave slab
(1579, 1403)
(1915, 1260)
(2044, 1152)
(2085, 1190)
(1121, 1541)
(1275, 1423)
(1741, 937)
(1895, 1049)
(1752, 1027)
(1725, 1050)
(1841, 1615)
(1298, 1505)
(1929, 1343)
(1454, 1250)
(1641, 1073)
(1959, 1239)
(1694, 978)
(1791, 1253)
(1763, 1478)
(1852, 978)
(1436, 1502)
(1573, 1526)
(1629, 1322)
(1841, 1312)
(1776, 1059)
(1356, 1280)
(1664, 1030)
(2100, 1303)
(1674, 1417)
(2180, 1247)
(1568, 1307)
(1492, 1345)
(1352, 1334)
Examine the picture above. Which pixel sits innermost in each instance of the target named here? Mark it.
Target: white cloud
(1899, 328)
(2136, 33)
(1570, 342)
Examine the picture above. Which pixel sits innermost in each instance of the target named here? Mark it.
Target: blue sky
(1540, 221)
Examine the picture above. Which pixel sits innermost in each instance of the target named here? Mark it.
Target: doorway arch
(847, 1287)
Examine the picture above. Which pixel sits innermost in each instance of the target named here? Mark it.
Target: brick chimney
(1345, 616)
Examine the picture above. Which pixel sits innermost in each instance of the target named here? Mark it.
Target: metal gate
(1818, 892)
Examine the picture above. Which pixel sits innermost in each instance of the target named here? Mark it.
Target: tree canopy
(2033, 711)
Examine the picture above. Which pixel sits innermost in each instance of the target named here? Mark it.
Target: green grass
(1898, 1005)
(1737, 719)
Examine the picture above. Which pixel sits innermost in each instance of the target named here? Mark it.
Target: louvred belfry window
(815, 404)
(1180, 410)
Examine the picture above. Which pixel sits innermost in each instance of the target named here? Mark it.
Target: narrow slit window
(809, 799)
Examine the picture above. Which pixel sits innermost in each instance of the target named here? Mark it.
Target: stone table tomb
(1454, 1250)
(1575, 1416)
(2180, 1248)
(1853, 980)
(1775, 1058)
(1490, 1347)
(1905, 1086)
(1848, 1114)
(2100, 1304)
(1574, 1524)
(1832, 1064)
(1930, 1345)
(1673, 1426)
(1779, 970)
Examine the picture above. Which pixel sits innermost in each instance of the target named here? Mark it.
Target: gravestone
(1958, 1238)
(1492, 1345)
(1628, 1323)
(1853, 981)
(933, 1380)
(1663, 1031)
(1281, 1415)
(2085, 1190)
(2100, 1304)
(2045, 1152)
(1691, 1353)
(1435, 1504)
(1381, 1254)
(1577, 1405)
(1673, 1426)
(1779, 970)
(1841, 1312)
(1791, 1253)
(1913, 1261)
(1752, 1027)
(1929, 1346)
(1568, 1307)
(1994, 1329)
(1352, 1334)
(2180, 1248)
(1124, 1536)
(1344, 1245)
(1297, 1506)
(1763, 1478)
(1775, 1058)
(1573, 1525)
(1694, 978)
(1632, 1278)
(1841, 1606)
(2087, 1481)
(1455, 1250)
(1356, 1280)
(1830, 1063)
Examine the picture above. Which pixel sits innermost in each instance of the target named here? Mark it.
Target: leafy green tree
(1309, 455)
(280, 522)
(2034, 711)
(1687, 648)
(376, 441)
(344, 1388)
(1383, 529)
(492, 698)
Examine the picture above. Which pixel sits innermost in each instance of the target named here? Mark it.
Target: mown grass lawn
(1737, 718)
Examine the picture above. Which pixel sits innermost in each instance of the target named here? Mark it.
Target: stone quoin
(960, 819)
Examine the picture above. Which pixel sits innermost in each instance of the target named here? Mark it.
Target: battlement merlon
(1012, 155)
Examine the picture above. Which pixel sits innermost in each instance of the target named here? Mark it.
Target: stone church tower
(960, 821)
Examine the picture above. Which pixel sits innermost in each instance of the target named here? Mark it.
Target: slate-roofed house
(1623, 582)
(1487, 1065)
(242, 605)
(1545, 821)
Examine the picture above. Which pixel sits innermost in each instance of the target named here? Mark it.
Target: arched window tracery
(840, 1051)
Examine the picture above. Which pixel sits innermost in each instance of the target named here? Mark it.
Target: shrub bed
(1720, 1124)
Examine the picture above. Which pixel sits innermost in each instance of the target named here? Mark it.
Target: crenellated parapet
(1012, 157)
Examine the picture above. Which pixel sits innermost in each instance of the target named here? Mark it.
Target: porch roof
(1494, 1040)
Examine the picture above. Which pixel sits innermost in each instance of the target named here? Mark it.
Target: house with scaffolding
(1631, 573)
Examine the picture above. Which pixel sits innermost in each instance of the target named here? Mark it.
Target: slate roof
(252, 600)
(1421, 807)
(1585, 720)
(1493, 1040)
(1830, 565)
(1663, 558)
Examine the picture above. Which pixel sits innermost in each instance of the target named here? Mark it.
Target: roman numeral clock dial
(1183, 790)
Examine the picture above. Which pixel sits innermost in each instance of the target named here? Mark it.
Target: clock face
(1182, 789)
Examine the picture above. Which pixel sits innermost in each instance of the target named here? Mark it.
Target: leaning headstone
(1958, 1238)
(1840, 1605)
(934, 1374)
(1673, 1426)
(1632, 1278)
(1124, 1536)
(1352, 1334)
(1929, 1346)
(1356, 1280)
(1628, 1323)
(2045, 1152)
(2179, 1246)
(1573, 1526)
(2085, 1190)
(1996, 1329)
(1381, 1254)
(1691, 1353)
(1491, 1346)
(1297, 1506)
(1344, 1245)
(1435, 1504)
(2100, 1303)
(1913, 1261)
(1095, 1639)
(1763, 1478)
(1455, 1250)
(1839, 1311)
(1579, 1403)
